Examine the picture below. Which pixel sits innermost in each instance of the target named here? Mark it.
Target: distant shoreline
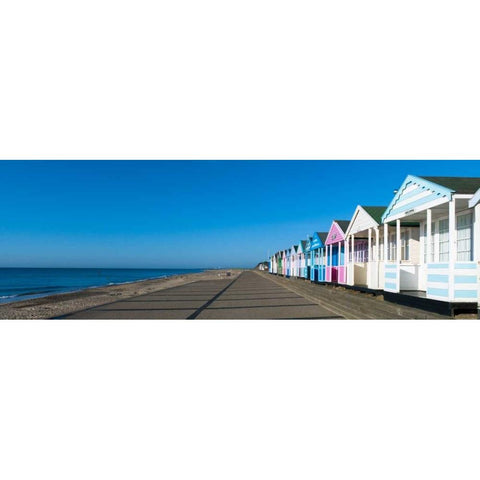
(56, 305)
(48, 291)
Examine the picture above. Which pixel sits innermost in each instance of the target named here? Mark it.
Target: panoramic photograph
(239, 239)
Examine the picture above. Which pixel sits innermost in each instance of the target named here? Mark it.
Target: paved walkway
(253, 295)
(249, 296)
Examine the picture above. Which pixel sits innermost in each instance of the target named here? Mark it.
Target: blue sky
(184, 213)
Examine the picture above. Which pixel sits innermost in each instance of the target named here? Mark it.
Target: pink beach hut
(335, 247)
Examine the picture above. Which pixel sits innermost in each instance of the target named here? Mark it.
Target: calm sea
(24, 283)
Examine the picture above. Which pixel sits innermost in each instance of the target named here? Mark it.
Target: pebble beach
(54, 306)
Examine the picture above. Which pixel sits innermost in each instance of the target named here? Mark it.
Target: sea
(26, 283)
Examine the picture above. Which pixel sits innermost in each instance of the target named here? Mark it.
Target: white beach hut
(363, 237)
(445, 271)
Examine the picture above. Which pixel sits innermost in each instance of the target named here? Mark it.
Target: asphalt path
(249, 296)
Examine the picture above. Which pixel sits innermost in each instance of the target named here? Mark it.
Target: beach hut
(279, 263)
(474, 203)
(363, 237)
(308, 258)
(284, 263)
(293, 261)
(301, 265)
(445, 270)
(288, 260)
(275, 263)
(335, 243)
(317, 249)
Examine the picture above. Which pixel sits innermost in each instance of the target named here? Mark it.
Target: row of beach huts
(423, 249)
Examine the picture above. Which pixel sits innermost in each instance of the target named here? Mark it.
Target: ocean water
(25, 283)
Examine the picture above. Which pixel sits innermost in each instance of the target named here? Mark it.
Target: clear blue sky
(182, 213)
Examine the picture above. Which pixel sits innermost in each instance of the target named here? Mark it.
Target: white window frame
(465, 255)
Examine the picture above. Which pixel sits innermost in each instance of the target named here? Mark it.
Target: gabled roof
(466, 185)
(322, 236)
(308, 243)
(363, 218)
(375, 212)
(337, 231)
(420, 193)
(318, 240)
(343, 224)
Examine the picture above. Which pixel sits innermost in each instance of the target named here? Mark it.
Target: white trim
(475, 199)
(372, 224)
(451, 248)
(420, 208)
(411, 187)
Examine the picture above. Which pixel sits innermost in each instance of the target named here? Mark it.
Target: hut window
(392, 251)
(464, 237)
(443, 240)
(405, 241)
(432, 244)
(361, 252)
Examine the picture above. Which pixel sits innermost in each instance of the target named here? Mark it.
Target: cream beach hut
(279, 263)
(362, 238)
(443, 276)
(275, 263)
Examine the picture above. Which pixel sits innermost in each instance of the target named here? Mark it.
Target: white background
(239, 400)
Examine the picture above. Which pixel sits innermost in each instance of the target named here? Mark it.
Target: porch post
(369, 245)
(399, 253)
(385, 242)
(452, 249)
(369, 257)
(377, 258)
(347, 261)
(476, 250)
(353, 259)
(429, 237)
(326, 260)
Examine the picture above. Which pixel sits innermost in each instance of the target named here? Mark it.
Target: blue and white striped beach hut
(446, 269)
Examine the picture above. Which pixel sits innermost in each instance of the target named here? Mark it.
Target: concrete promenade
(252, 295)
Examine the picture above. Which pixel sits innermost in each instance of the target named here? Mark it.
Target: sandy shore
(61, 304)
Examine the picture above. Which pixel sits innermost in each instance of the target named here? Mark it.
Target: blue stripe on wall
(438, 292)
(465, 293)
(437, 265)
(437, 278)
(421, 201)
(391, 275)
(413, 193)
(389, 266)
(392, 286)
(465, 266)
(465, 279)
